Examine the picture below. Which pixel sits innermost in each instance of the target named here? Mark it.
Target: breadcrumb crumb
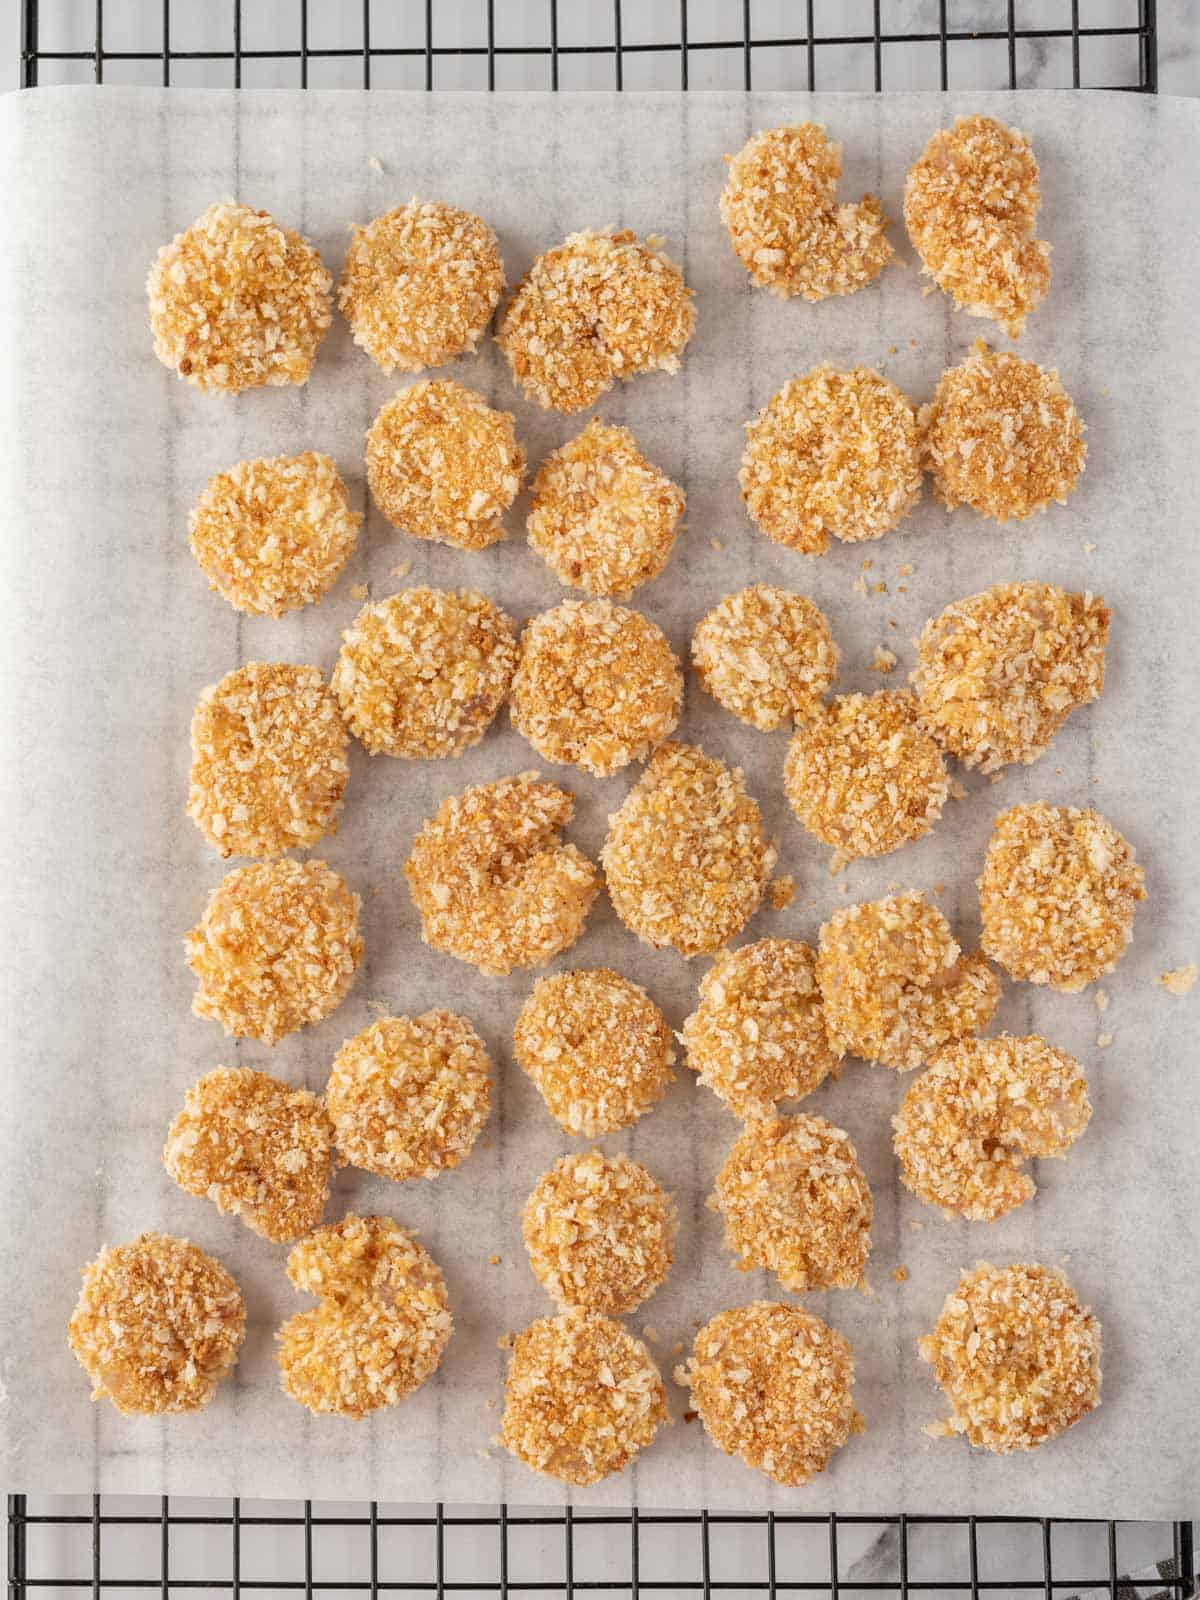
(256, 1147)
(599, 307)
(773, 1385)
(275, 533)
(381, 1325)
(276, 948)
(883, 660)
(780, 207)
(970, 206)
(978, 1113)
(422, 674)
(157, 1326)
(758, 1035)
(766, 655)
(493, 883)
(600, 1233)
(896, 984)
(781, 892)
(603, 519)
(408, 1096)
(1017, 1356)
(583, 1397)
(236, 301)
(795, 1202)
(597, 1048)
(833, 453)
(442, 465)
(1058, 894)
(1002, 436)
(597, 686)
(1179, 981)
(686, 859)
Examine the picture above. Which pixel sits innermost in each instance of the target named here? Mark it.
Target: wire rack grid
(376, 1549)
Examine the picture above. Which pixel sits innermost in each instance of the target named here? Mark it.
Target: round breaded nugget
(863, 775)
(443, 465)
(274, 534)
(773, 1385)
(420, 284)
(257, 1148)
(970, 205)
(596, 686)
(603, 519)
(157, 1326)
(268, 760)
(382, 1324)
(409, 1096)
(1058, 894)
(1002, 436)
(237, 301)
(276, 948)
(999, 673)
(422, 673)
(978, 1113)
(597, 1047)
(765, 654)
(598, 307)
(1017, 1356)
(758, 1035)
(493, 883)
(686, 858)
(832, 453)
(583, 1397)
(795, 1202)
(600, 1232)
(896, 984)
(780, 206)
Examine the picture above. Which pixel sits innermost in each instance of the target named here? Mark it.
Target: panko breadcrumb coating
(257, 1148)
(1002, 436)
(597, 686)
(157, 1326)
(382, 1324)
(603, 519)
(758, 1035)
(686, 859)
(896, 984)
(598, 307)
(795, 1202)
(274, 534)
(597, 1048)
(268, 760)
(832, 453)
(494, 884)
(978, 1113)
(420, 284)
(442, 465)
(863, 775)
(999, 673)
(408, 1096)
(773, 1385)
(780, 206)
(1058, 893)
(276, 948)
(765, 654)
(422, 673)
(600, 1232)
(583, 1397)
(1017, 1356)
(970, 205)
(237, 301)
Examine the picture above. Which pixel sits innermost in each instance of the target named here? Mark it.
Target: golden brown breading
(765, 654)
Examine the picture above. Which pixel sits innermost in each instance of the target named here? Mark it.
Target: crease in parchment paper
(109, 633)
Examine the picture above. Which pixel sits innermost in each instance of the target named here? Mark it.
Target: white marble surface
(867, 1553)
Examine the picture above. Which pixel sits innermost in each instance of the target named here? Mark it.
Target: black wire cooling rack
(377, 1549)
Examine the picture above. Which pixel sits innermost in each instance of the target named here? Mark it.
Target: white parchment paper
(108, 632)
